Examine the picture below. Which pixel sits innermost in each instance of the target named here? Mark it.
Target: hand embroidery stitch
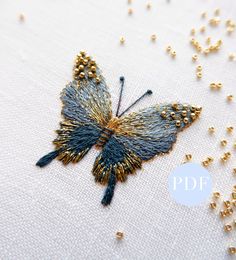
(126, 141)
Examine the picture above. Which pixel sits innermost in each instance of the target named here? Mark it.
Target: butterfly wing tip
(46, 159)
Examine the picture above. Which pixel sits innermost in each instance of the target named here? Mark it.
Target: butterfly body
(125, 141)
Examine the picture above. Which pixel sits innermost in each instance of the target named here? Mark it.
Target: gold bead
(76, 71)
(205, 163)
(83, 53)
(199, 68)
(217, 12)
(211, 129)
(227, 227)
(234, 204)
(93, 68)
(223, 142)
(177, 123)
(148, 6)
(81, 75)
(208, 40)
(122, 40)
(98, 80)
(232, 250)
(223, 159)
(21, 17)
(234, 145)
(232, 56)
(188, 157)
(119, 235)
(234, 170)
(85, 61)
(202, 29)
(203, 15)
(206, 51)
(223, 213)
(213, 85)
(192, 32)
(216, 195)
(92, 62)
(172, 114)
(184, 113)
(164, 114)
(230, 129)
(175, 106)
(227, 155)
(168, 48)
(210, 159)
(194, 57)
(90, 74)
(130, 11)
(233, 195)
(219, 85)
(153, 37)
(199, 75)
(193, 116)
(230, 97)
(81, 67)
(185, 120)
(173, 54)
(212, 205)
(227, 203)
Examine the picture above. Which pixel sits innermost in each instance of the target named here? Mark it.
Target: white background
(55, 212)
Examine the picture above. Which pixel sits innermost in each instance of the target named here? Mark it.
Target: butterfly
(125, 140)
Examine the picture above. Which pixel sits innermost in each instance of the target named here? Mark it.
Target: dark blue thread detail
(46, 159)
(109, 192)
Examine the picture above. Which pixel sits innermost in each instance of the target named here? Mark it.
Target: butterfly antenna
(122, 81)
(148, 92)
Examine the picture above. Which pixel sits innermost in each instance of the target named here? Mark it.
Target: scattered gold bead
(205, 163)
(223, 142)
(230, 129)
(227, 154)
(122, 40)
(206, 51)
(194, 57)
(173, 54)
(232, 56)
(227, 203)
(230, 97)
(130, 11)
(168, 48)
(203, 15)
(213, 205)
(208, 40)
(192, 32)
(199, 68)
(211, 129)
(223, 213)
(21, 17)
(232, 250)
(178, 123)
(227, 227)
(214, 21)
(234, 204)
(210, 159)
(234, 188)
(217, 12)
(230, 30)
(184, 113)
(153, 37)
(202, 29)
(233, 195)
(148, 6)
(199, 75)
(234, 170)
(119, 235)
(175, 106)
(229, 212)
(216, 195)
(188, 157)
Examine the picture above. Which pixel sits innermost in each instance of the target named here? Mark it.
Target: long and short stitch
(126, 141)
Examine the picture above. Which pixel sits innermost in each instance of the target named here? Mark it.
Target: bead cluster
(85, 68)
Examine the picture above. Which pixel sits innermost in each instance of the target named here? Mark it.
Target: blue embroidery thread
(125, 141)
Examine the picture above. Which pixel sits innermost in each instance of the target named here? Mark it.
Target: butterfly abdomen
(105, 136)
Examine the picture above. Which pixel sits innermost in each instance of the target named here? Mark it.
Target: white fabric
(55, 212)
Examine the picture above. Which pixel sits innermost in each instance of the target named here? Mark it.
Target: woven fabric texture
(55, 212)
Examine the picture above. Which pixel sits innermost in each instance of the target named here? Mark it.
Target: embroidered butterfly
(126, 141)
